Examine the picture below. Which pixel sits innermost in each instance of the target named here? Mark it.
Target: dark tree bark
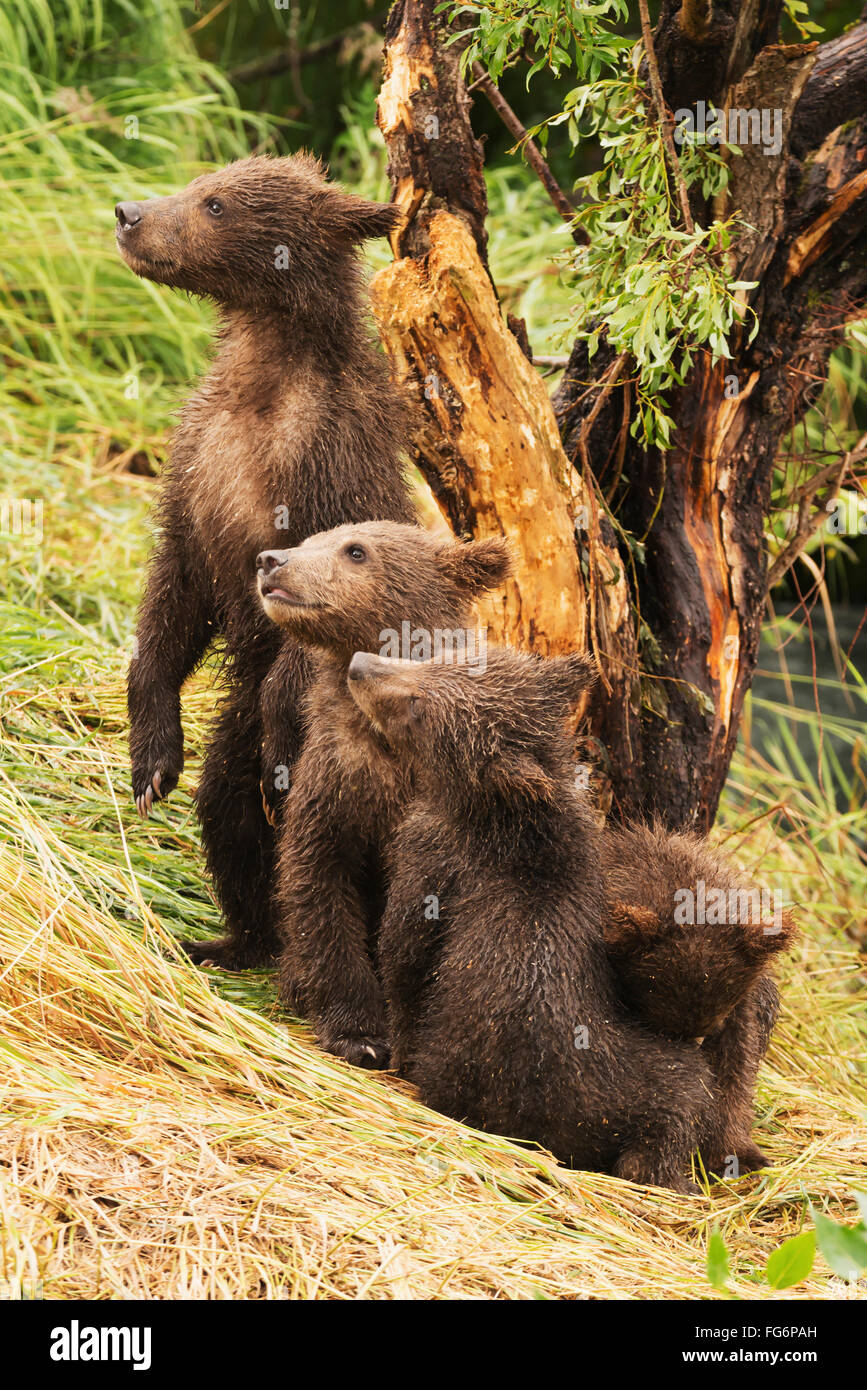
(703, 588)
(676, 637)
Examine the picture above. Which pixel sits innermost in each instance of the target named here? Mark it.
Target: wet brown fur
(348, 792)
(295, 429)
(492, 946)
(707, 981)
(354, 767)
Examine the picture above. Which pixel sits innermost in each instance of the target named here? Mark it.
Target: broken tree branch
(836, 91)
(696, 19)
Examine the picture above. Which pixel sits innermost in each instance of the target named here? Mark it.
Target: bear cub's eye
(356, 553)
(215, 207)
(415, 706)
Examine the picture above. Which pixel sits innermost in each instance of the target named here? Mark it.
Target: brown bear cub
(691, 941)
(503, 1004)
(355, 587)
(690, 935)
(339, 865)
(295, 429)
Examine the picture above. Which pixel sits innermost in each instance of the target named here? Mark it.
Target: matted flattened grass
(165, 1133)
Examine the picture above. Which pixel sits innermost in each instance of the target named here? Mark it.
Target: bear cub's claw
(157, 763)
(749, 1156)
(372, 1053)
(751, 1159)
(224, 953)
(270, 811)
(156, 788)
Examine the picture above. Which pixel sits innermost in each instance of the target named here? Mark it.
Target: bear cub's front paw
(228, 954)
(361, 1049)
(155, 771)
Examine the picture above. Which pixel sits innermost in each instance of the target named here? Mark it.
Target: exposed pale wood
(434, 161)
(487, 444)
(442, 326)
(696, 18)
(486, 438)
(814, 241)
(701, 507)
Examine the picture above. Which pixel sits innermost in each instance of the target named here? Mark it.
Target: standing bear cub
(295, 429)
(503, 1004)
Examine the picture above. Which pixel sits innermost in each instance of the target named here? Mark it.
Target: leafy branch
(650, 280)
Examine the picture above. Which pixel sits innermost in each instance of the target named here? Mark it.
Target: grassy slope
(163, 1133)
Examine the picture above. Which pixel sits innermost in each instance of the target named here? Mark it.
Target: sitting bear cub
(504, 1007)
(355, 586)
(354, 785)
(684, 974)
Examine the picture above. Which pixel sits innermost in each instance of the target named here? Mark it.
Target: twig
(288, 58)
(534, 155)
(809, 522)
(666, 122)
(608, 381)
(622, 437)
(206, 19)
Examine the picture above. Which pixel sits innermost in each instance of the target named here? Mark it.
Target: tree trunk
(664, 728)
(487, 439)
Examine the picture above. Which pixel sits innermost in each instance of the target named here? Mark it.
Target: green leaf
(717, 1260)
(792, 1262)
(844, 1248)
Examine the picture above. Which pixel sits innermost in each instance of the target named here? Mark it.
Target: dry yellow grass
(159, 1140)
(163, 1133)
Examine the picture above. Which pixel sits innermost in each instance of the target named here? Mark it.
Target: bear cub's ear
(518, 774)
(476, 565)
(569, 677)
(356, 219)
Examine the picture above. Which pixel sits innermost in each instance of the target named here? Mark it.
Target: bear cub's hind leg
(237, 840)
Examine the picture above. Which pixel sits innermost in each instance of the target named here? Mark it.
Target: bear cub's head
(476, 729)
(376, 584)
(263, 232)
